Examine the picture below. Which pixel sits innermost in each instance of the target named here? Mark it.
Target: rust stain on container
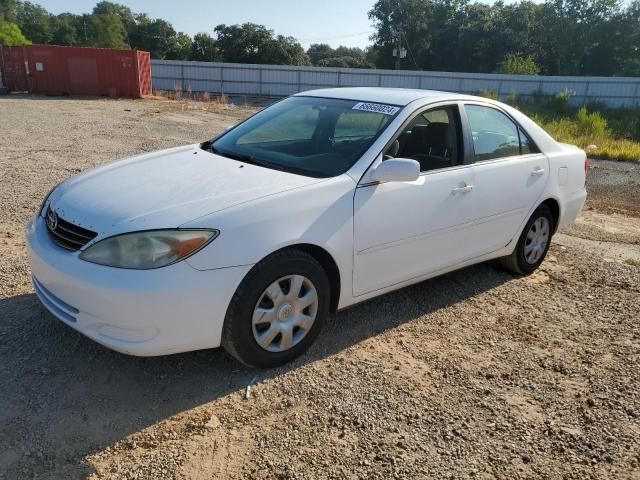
(57, 70)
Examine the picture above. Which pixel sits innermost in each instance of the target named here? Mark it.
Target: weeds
(560, 101)
(614, 132)
(591, 123)
(633, 262)
(490, 94)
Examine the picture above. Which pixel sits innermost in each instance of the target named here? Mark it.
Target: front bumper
(150, 312)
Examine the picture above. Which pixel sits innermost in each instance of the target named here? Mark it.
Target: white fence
(278, 81)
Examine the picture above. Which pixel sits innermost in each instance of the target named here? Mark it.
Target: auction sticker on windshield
(376, 108)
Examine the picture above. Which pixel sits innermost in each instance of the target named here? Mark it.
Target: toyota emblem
(52, 220)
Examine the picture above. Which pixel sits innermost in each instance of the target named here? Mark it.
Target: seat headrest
(437, 134)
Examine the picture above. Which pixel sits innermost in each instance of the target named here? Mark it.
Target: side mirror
(396, 170)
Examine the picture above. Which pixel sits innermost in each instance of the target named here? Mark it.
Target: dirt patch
(477, 373)
(614, 187)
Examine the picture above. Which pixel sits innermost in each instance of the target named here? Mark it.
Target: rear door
(509, 173)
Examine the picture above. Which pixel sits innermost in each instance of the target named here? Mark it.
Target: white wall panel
(277, 80)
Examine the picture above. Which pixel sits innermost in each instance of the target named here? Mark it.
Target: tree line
(112, 25)
(557, 37)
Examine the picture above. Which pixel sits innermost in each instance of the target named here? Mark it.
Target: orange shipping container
(57, 70)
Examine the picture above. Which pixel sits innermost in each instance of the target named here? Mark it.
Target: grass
(189, 96)
(633, 262)
(602, 132)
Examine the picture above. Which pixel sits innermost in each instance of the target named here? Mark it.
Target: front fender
(319, 214)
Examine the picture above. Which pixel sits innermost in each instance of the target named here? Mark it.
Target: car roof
(393, 96)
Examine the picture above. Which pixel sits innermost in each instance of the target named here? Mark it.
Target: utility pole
(398, 52)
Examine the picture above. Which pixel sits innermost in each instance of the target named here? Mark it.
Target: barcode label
(377, 108)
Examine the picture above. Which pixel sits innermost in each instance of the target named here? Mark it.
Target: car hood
(164, 189)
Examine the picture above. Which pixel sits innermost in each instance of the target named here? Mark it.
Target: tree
(11, 35)
(34, 22)
(156, 36)
(8, 10)
(65, 29)
(106, 31)
(518, 65)
(322, 55)
(180, 46)
(124, 13)
(319, 52)
(251, 43)
(204, 48)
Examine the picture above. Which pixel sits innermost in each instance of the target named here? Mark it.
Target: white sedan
(318, 202)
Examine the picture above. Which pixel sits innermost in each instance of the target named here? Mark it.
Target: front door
(404, 230)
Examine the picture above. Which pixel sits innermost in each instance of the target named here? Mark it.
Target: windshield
(316, 137)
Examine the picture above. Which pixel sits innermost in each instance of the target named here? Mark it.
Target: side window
(432, 138)
(295, 124)
(494, 134)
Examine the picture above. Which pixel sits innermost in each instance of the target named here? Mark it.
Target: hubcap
(285, 313)
(536, 241)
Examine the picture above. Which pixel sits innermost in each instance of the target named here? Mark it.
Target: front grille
(68, 235)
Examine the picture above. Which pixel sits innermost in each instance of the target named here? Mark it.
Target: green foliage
(615, 132)
(490, 94)
(518, 65)
(65, 30)
(560, 101)
(204, 48)
(251, 43)
(554, 37)
(323, 55)
(34, 22)
(106, 31)
(565, 37)
(591, 123)
(8, 10)
(11, 35)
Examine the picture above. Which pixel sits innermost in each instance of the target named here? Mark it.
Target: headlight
(146, 250)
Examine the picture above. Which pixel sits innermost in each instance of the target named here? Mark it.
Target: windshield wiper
(241, 157)
(235, 156)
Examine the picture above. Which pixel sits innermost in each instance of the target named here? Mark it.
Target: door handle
(538, 172)
(465, 189)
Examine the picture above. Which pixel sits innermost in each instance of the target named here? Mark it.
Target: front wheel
(533, 244)
(278, 310)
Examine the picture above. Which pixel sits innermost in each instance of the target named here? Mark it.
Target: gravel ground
(476, 373)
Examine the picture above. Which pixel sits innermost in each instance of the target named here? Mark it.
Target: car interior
(431, 138)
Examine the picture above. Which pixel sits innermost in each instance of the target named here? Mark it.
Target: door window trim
(468, 131)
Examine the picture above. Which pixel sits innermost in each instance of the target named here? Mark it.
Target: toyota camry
(320, 201)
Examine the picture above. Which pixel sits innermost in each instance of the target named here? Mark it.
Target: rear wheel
(533, 243)
(278, 310)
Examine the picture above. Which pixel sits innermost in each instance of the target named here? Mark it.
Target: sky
(336, 22)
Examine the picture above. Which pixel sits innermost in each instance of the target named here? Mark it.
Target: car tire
(254, 301)
(533, 244)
